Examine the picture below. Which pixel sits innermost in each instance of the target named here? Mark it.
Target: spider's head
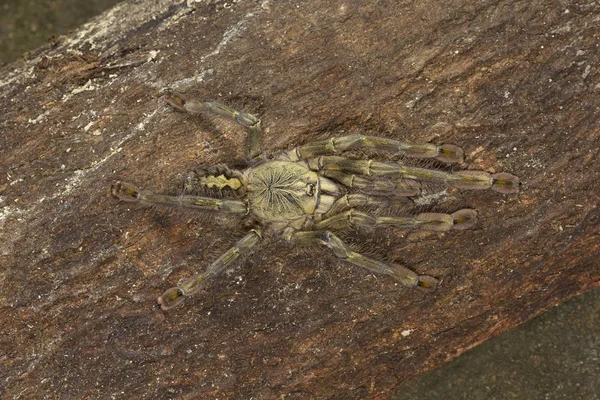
(283, 191)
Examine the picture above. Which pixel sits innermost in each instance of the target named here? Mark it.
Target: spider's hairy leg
(402, 188)
(349, 201)
(247, 120)
(326, 238)
(128, 192)
(501, 182)
(437, 222)
(243, 247)
(446, 152)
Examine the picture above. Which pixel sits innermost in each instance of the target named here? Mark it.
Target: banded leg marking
(446, 152)
(402, 188)
(501, 182)
(353, 200)
(404, 275)
(243, 247)
(436, 222)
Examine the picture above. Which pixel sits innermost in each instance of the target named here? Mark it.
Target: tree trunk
(515, 83)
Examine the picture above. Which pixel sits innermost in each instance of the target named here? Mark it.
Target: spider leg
(341, 250)
(402, 188)
(445, 152)
(243, 247)
(501, 182)
(353, 200)
(128, 192)
(249, 121)
(437, 222)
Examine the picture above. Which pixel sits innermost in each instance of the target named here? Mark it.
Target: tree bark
(515, 83)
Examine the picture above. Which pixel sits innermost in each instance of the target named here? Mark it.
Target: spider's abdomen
(282, 191)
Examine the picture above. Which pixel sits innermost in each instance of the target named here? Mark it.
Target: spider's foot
(171, 298)
(176, 100)
(505, 183)
(438, 222)
(427, 283)
(448, 153)
(124, 191)
(501, 182)
(464, 219)
(451, 154)
(409, 278)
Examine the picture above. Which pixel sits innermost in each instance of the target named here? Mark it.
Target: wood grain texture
(515, 83)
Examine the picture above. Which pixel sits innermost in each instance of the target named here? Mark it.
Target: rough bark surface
(515, 83)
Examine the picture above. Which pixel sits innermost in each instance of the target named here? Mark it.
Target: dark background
(553, 356)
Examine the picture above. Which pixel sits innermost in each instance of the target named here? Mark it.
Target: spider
(309, 193)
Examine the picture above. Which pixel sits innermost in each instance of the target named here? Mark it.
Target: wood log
(516, 84)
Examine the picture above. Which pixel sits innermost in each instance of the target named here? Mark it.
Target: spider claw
(505, 183)
(451, 154)
(409, 278)
(176, 100)
(124, 191)
(464, 219)
(170, 298)
(427, 283)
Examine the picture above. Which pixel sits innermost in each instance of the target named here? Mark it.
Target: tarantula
(305, 194)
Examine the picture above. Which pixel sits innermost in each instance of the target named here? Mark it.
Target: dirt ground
(515, 83)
